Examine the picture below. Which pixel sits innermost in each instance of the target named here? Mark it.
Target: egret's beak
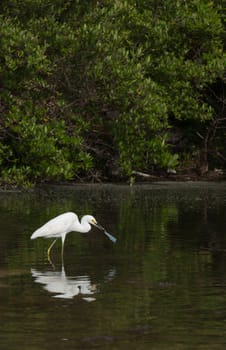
(94, 223)
(112, 238)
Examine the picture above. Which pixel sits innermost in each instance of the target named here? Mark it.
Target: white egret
(62, 224)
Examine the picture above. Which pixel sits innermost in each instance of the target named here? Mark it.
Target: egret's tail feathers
(34, 235)
(37, 233)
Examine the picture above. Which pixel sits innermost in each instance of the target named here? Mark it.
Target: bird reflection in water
(66, 287)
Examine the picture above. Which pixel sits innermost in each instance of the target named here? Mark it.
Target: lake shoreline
(138, 178)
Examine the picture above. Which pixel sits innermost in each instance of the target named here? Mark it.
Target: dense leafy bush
(40, 136)
(92, 87)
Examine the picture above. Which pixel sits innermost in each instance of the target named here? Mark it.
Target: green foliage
(85, 84)
(41, 137)
(46, 149)
(140, 66)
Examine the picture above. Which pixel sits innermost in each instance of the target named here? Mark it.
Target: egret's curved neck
(84, 225)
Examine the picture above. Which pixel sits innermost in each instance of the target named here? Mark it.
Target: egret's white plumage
(63, 224)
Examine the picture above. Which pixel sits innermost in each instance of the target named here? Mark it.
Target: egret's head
(91, 220)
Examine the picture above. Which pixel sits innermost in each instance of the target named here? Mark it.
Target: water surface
(161, 286)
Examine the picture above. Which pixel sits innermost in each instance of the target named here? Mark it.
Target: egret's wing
(56, 226)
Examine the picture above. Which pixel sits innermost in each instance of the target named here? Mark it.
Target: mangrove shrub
(92, 89)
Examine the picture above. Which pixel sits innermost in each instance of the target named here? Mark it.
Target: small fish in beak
(112, 238)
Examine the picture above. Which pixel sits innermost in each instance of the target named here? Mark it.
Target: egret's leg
(50, 247)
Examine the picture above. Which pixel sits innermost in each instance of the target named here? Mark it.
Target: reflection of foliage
(142, 223)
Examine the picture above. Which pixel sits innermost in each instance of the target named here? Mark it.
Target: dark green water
(161, 286)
